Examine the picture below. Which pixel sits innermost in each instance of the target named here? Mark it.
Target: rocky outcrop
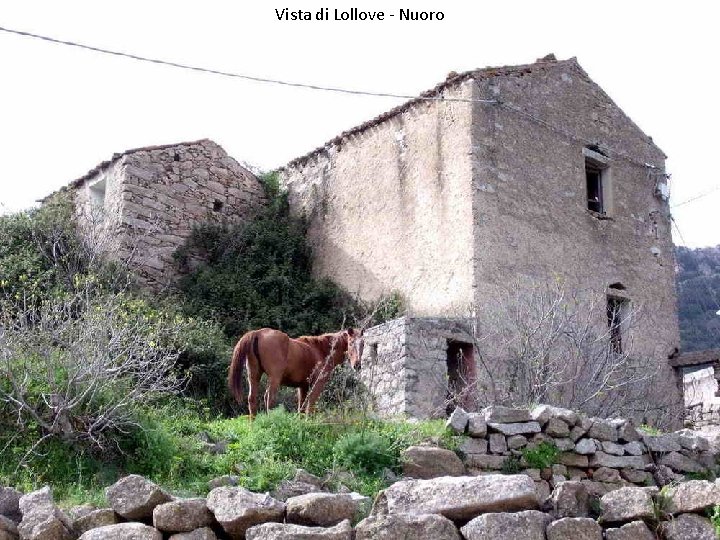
(321, 509)
(393, 526)
(425, 462)
(288, 531)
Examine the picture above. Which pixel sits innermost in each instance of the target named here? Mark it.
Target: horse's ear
(350, 331)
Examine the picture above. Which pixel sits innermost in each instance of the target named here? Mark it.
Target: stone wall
(530, 213)
(602, 454)
(405, 365)
(154, 196)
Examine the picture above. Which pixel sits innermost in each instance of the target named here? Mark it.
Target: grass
(171, 451)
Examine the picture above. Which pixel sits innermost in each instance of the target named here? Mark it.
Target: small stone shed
(419, 366)
(699, 372)
(143, 203)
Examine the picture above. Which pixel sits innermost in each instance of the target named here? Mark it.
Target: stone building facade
(700, 372)
(143, 203)
(520, 175)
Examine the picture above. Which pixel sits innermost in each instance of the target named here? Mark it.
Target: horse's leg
(315, 391)
(271, 392)
(302, 396)
(253, 377)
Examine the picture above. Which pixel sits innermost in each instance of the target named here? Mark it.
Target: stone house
(699, 372)
(519, 176)
(143, 203)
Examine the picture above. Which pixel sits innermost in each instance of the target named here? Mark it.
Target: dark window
(594, 179)
(177, 157)
(217, 206)
(616, 313)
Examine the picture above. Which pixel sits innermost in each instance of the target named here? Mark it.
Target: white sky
(63, 110)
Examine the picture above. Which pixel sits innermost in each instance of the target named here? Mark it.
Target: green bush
(714, 515)
(258, 274)
(368, 453)
(541, 456)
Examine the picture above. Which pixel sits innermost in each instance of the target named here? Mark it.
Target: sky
(63, 110)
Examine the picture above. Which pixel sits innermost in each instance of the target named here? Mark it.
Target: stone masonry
(453, 203)
(147, 200)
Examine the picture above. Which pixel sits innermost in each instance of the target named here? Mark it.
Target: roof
(106, 164)
(453, 80)
(694, 358)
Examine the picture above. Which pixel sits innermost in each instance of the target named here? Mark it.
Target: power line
(701, 196)
(239, 75)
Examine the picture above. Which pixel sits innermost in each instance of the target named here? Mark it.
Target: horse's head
(354, 346)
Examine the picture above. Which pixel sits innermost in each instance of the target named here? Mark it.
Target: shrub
(366, 452)
(511, 465)
(258, 274)
(714, 515)
(541, 456)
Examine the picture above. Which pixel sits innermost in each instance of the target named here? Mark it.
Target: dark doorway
(461, 375)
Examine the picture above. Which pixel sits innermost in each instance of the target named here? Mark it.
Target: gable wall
(390, 208)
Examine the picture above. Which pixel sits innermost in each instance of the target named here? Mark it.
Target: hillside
(698, 282)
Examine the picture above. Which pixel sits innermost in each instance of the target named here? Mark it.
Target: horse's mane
(323, 342)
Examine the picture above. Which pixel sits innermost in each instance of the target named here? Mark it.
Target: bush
(258, 274)
(542, 456)
(364, 452)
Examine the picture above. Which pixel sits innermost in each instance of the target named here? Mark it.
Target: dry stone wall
(553, 445)
(149, 199)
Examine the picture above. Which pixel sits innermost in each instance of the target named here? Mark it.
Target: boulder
(498, 444)
(626, 504)
(289, 531)
(601, 459)
(459, 497)
(516, 441)
(637, 530)
(574, 528)
(662, 443)
(603, 430)
(634, 448)
(93, 519)
(586, 446)
(473, 446)
(430, 462)
(564, 444)
(636, 477)
(237, 509)
(692, 496)
(557, 428)
(690, 440)
(604, 474)
(321, 509)
(679, 463)
(206, 533)
(515, 429)
(41, 518)
(123, 531)
(543, 413)
(505, 415)
(571, 459)
(627, 432)
(290, 488)
(688, 527)
(10, 503)
(570, 499)
(182, 515)
(477, 427)
(134, 497)
(406, 527)
(613, 448)
(528, 525)
(485, 461)
(8, 528)
(458, 421)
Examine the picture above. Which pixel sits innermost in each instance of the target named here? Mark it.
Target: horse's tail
(240, 354)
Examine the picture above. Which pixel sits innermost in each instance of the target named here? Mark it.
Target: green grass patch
(171, 450)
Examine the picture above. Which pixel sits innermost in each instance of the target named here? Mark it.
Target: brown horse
(305, 363)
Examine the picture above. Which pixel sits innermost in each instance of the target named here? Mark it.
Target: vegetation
(100, 379)
(698, 282)
(542, 456)
(714, 516)
(258, 274)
